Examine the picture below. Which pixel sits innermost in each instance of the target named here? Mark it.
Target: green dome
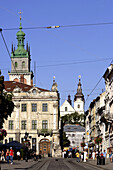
(20, 33)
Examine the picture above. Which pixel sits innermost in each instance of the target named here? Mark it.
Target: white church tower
(79, 99)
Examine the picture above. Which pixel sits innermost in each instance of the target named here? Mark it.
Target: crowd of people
(8, 155)
(83, 156)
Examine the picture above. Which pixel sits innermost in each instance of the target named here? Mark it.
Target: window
(10, 124)
(24, 107)
(44, 124)
(23, 64)
(10, 139)
(22, 140)
(34, 124)
(16, 64)
(78, 106)
(44, 107)
(23, 124)
(34, 107)
(34, 91)
(65, 109)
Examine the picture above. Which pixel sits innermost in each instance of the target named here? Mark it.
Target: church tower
(79, 99)
(20, 61)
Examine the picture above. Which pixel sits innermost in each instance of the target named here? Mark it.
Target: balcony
(44, 132)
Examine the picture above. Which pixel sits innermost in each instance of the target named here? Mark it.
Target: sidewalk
(21, 164)
(108, 165)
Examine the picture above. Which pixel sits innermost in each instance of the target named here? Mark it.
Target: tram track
(88, 167)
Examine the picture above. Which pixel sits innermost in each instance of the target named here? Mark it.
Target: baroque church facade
(79, 102)
(36, 112)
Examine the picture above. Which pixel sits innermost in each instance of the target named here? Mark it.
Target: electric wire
(96, 85)
(79, 62)
(62, 26)
(7, 49)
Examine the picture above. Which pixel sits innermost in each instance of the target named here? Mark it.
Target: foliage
(83, 144)
(74, 118)
(66, 142)
(6, 104)
(3, 134)
(98, 140)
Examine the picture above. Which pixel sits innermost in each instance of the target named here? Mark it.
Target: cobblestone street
(55, 164)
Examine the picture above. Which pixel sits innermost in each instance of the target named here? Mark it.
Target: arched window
(78, 106)
(23, 64)
(16, 64)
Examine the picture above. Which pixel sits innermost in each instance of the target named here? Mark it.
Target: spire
(12, 47)
(20, 34)
(27, 46)
(54, 86)
(20, 20)
(79, 93)
(69, 99)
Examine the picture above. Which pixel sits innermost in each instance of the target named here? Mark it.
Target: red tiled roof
(10, 85)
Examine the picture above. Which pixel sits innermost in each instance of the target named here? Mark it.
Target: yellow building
(36, 111)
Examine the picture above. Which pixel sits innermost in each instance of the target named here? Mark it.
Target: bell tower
(20, 60)
(79, 99)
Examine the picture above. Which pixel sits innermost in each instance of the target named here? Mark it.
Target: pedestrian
(110, 156)
(11, 155)
(82, 156)
(2, 156)
(69, 155)
(93, 155)
(18, 155)
(78, 156)
(104, 155)
(85, 156)
(7, 155)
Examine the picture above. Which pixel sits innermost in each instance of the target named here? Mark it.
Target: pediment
(17, 89)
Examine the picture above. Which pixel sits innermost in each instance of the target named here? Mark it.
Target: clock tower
(20, 61)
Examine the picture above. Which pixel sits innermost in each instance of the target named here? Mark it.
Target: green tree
(74, 118)
(66, 142)
(6, 104)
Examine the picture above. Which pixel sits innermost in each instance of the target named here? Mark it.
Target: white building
(67, 108)
(75, 135)
(36, 110)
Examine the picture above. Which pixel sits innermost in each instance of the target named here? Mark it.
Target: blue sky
(74, 47)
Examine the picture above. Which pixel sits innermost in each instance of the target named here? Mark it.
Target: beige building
(36, 111)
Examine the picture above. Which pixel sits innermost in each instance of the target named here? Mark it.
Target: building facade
(75, 135)
(36, 112)
(67, 108)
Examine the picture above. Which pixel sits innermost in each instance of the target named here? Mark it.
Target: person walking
(2, 156)
(11, 155)
(93, 155)
(18, 155)
(104, 155)
(110, 156)
(7, 155)
(78, 156)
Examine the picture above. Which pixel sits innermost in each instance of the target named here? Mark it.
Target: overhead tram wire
(96, 84)
(73, 63)
(7, 48)
(61, 26)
